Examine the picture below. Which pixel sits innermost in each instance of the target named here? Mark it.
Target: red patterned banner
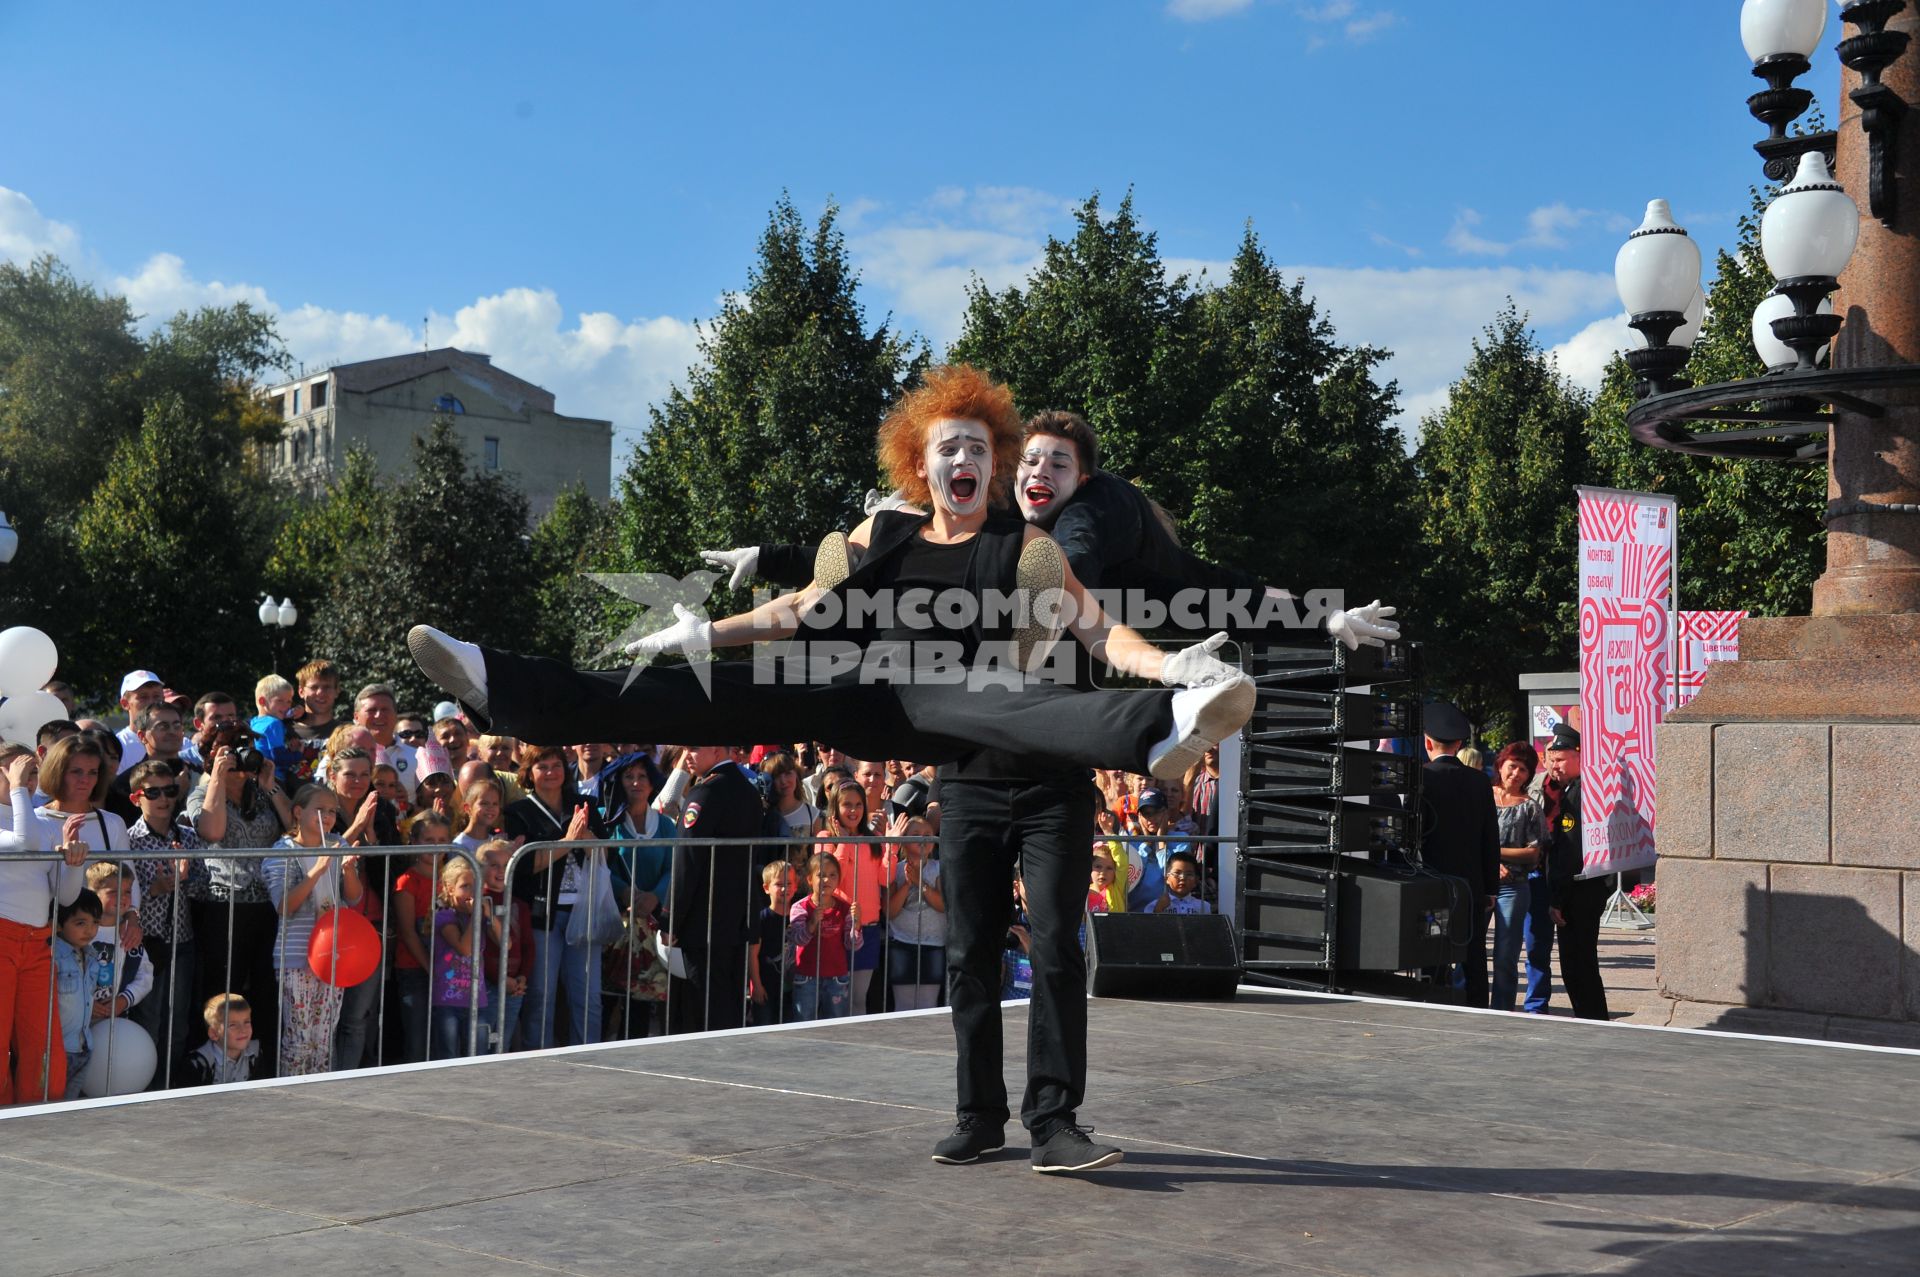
(1626, 643)
(1705, 637)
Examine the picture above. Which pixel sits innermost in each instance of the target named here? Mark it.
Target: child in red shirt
(823, 933)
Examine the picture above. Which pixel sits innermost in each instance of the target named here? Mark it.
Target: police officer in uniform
(711, 892)
(1578, 903)
(1462, 836)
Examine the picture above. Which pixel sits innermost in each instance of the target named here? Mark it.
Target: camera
(908, 798)
(248, 759)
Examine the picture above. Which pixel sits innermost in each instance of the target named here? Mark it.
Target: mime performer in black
(947, 442)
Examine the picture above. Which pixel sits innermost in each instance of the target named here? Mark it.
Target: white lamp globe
(288, 613)
(269, 611)
(1658, 268)
(1769, 28)
(9, 540)
(1773, 352)
(1811, 226)
(1689, 328)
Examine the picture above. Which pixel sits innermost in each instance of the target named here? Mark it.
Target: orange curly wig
(950, 391)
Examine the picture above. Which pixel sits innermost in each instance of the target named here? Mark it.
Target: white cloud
(1205, 10)
(1547, 226)
(163, 288)
(1355, 24)
(1583, 357)
(25, 232)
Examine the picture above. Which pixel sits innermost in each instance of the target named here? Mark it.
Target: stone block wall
(1790, 866)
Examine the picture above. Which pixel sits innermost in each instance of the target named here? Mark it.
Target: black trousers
(986, 827)
(714, 992)
(548, 702)
(1582, 904)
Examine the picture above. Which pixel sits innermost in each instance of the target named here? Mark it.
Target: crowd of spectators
(310, 804)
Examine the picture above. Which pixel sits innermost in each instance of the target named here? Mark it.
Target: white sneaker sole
(1225, 712)
(443, 669)
(1108, 1160)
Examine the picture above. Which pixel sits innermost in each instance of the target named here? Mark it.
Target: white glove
(743, 563)
(1197, 666)
(877, 501)
(1367, 625)
(688, 634)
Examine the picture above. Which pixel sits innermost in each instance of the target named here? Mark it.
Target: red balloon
(345, 949)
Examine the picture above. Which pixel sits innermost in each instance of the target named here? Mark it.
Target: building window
(491, 454)
(447, 403)
(296, 401)
(319, 395)
(297, 450)
(279, 405)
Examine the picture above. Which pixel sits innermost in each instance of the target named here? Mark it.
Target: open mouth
(1039, 494)
(964, 487)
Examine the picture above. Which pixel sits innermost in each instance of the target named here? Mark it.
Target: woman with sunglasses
(170, 1015)
(304, 885)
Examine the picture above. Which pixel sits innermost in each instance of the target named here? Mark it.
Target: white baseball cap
(137, 680)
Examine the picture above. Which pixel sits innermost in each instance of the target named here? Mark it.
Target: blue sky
(571, 187)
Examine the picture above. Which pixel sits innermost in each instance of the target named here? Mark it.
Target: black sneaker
(972, 1138)
(1070, 1150)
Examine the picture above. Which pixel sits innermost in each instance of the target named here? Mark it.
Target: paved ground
(1627, 964)
(1282, 1133)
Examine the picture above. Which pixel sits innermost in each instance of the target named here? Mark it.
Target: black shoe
(972, 1139)
(1070, 1150)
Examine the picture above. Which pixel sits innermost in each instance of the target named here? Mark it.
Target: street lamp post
(278, 618)
(1778, 870)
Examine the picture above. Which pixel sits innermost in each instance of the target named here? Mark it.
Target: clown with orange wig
(952, 445)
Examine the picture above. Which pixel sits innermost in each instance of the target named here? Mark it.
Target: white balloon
(22, 716)
(122, 1062)
(27, 660)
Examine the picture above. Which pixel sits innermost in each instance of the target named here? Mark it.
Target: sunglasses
(412, 733)
(160, 791)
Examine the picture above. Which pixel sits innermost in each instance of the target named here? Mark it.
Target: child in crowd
(767, 949)
(1102, 897)
(863, 882)
(79, 971)
(412, 911)
(273, 697)
(824, 933)
(1183, 883)
(313, 878)
(229, 1054)
(386, 783)
(509, 986)
(168, 1015)
(121, 938)
(458, 987)
(916, 918)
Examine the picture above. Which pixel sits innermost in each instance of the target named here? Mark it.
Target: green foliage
(573, 617)
(445, 547)
(1099, 329)
(321, 534)
(172, 540)
(1497, 469)
(771, 437)
(1750, 533)
(1233, 407)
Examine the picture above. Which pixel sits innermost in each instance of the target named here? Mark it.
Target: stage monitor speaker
(1186, 956)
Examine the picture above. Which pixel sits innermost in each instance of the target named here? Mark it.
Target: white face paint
(958, 464)
(1049, 473)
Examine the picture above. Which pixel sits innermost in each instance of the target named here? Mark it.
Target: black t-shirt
(770, 933)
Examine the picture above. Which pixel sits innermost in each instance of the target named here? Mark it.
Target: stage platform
(1281, 1133)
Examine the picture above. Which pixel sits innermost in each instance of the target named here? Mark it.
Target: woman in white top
(29, 889)
(785, 797)
(305, 885)
(75, 777)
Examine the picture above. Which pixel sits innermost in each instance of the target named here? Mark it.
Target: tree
(447, 548)
(1498, 465)
(573, 617)
(772, 436)
(171, 543)
(1750, 534)
(1294, 469)
(1100, 329)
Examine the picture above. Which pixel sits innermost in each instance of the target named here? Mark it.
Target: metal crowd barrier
(638, 955)
(167, 990)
